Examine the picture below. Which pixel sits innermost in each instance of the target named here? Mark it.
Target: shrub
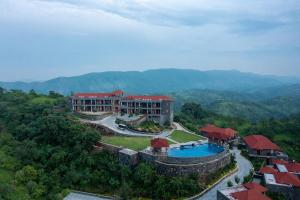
(229, 183)
(237, 179)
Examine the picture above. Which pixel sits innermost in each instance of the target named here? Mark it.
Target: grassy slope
(135, 143)
(43, 100)
(181, 136)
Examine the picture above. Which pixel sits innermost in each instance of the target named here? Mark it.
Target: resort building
(267, 170)
(284, 183)
(219, 135)
(155, 108)
(260, 146)
(280, 177)
(248, 191)
(285, 166)
(97, 102)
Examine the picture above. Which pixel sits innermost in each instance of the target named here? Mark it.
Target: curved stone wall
(202, 168)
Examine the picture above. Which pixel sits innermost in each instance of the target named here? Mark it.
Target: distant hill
(271, 102)
(155, 81)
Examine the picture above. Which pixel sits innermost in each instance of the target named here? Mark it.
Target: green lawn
(43, 100)
(135, 143)
(181, 136)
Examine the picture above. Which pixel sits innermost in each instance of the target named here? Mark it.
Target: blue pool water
(200, 150)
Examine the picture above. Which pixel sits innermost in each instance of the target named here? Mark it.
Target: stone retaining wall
(111, 148)
(103, 129)
(185, 169)
(179, 166)
(147, 157)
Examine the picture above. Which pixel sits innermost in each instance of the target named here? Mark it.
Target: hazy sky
(49, 38)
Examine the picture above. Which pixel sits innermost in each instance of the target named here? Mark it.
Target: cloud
(197, 12)
(68, 36)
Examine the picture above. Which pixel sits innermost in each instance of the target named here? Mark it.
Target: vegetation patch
(149, 126)
(182, 136)
(43, 100)
(134, 143)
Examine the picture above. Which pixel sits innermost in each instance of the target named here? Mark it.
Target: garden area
(149, 126)
(134, 143)
(182, 136)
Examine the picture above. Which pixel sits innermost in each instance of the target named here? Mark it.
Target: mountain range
(155, 81)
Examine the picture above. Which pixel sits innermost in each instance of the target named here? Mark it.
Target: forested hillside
(44, 152)
(275, 102)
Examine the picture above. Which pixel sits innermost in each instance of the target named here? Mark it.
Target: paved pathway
(244, 168)
(85, 196)
(181, 128)
(110, 123)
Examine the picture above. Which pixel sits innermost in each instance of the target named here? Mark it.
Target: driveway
(110, 123)
(244, 168)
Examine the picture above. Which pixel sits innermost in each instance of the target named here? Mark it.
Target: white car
(122, 126)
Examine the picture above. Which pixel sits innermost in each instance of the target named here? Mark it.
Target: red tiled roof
(278, 161)
(287, 178)
(255, 186)
(218, 133)
(260, 142)
(293, 167)
(149, 98)
(267, 170)
(159, 143)
(249, 195)
(118, 92)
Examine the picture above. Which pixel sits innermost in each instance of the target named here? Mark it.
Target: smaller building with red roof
(267, 170)
(292, 167)
(159, 144)
(256, 187)
(248, 191)
(284, 183)
(219, 135)
(249, 195)
(261, 146)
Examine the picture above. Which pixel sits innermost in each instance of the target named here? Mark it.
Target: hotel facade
(156, 108)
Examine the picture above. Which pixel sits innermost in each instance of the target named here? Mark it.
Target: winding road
(244, 168)
(109, 122)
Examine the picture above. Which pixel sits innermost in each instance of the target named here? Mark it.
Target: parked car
(122, 126)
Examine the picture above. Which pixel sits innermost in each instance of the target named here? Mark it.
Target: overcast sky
(48, 38)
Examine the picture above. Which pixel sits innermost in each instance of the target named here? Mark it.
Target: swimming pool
(199, 150)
